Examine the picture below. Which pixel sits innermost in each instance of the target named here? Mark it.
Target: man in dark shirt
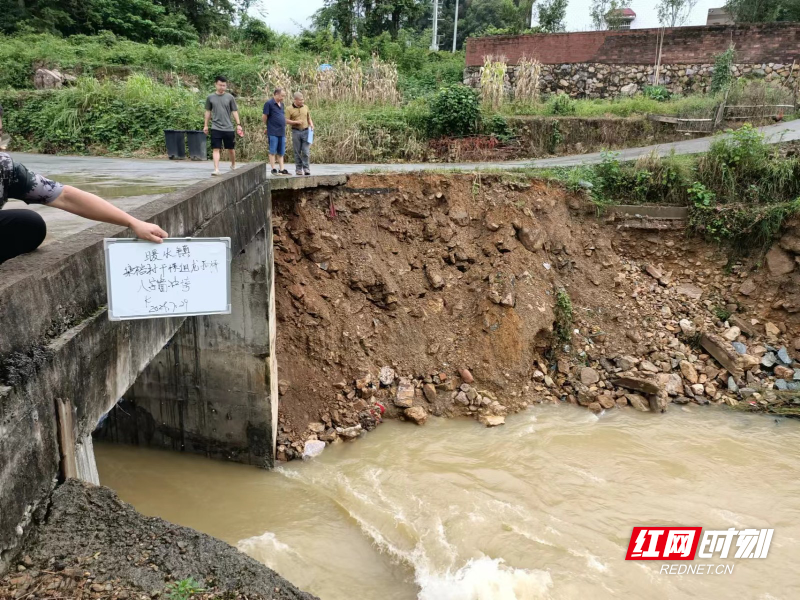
(24, 230)
(275, 120)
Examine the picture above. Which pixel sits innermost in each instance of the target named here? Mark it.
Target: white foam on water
(289, 473)
(530, 536)
(479, 579)
(584, 474)
(585, 418)
(265, 548)
(591, 561)
(484, 579)
(530, 426)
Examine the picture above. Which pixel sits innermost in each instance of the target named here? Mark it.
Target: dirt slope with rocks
(436, 294)
(90, 544)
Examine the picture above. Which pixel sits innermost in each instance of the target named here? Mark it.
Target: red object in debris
(331, 208)
(381, 407)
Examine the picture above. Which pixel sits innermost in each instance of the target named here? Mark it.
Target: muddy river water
(542, 507)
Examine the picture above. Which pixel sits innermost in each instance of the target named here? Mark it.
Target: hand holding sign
(176, 277)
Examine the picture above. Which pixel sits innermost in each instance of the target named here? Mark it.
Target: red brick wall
(755, 44)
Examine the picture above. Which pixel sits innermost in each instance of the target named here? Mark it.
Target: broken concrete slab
(690, 291)
(723, 352)
(637, 384)
(744, 326)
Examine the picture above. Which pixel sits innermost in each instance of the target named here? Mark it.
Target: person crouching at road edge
(23, 230)
(221, 109)
(299, 117)
(274, 118)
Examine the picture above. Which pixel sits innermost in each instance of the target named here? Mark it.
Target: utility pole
(455, 27)
(435, 40)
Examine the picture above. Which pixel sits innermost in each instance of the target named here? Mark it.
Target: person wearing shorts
(23, 230)
(275, 119)
(222, 110)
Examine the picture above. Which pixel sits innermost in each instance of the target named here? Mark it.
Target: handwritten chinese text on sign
(179, 277)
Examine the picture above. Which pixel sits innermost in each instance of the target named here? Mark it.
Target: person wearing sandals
(275, 119)
(299, 117)
(221, 109)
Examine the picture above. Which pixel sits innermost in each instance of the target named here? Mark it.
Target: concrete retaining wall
(57, 340)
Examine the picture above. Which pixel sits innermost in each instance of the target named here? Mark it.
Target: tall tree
(162, 21)
(607, 14)
(674, 13)
(495, 14)
(353, 18)
(763, 11)
(551, 15)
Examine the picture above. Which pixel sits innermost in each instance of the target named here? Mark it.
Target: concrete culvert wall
(58, 345)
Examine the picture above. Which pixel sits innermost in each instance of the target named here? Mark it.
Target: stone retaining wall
(598, 80)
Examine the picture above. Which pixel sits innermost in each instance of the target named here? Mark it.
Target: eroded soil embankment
(388, 288)
(90, 544)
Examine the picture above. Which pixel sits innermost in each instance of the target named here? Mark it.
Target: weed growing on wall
(722, 76)
(555, 137)
(562, 327)
(183, 589)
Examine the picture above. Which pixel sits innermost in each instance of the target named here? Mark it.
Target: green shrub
(455, 111)
(657, 92)
(609, 174)
(700, 196)
(736, 163)
(561, 104)
(498, 126)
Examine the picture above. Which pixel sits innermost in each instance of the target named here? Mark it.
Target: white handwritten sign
(179, 277)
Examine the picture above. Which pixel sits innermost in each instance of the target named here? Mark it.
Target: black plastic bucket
(176, 143)
(197, 145)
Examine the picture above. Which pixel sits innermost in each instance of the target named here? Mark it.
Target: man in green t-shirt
(220, 108)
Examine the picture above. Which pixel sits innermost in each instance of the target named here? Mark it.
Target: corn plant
(528, 74)
(274, 77)
(493, 80)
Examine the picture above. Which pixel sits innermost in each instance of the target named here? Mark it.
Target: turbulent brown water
(542, 507)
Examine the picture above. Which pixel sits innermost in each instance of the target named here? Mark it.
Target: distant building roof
(620, 18)
(622, 12)
(719, 16)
